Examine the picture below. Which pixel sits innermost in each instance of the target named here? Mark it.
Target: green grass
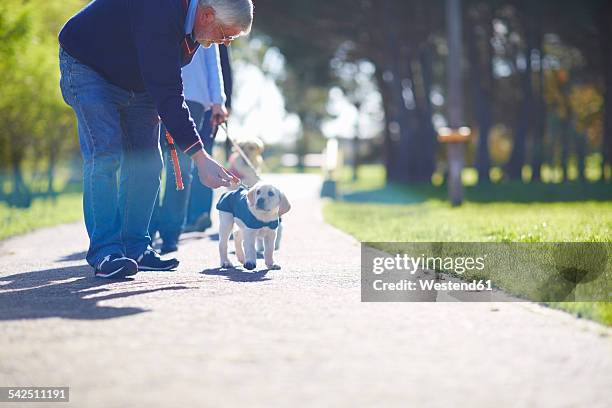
(508, 212)
(43, 213)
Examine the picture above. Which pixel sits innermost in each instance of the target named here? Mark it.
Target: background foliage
(37, 129)
(537, 80)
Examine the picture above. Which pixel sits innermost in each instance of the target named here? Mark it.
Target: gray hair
(235, 13)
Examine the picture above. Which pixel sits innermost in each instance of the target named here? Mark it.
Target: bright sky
(259, 106)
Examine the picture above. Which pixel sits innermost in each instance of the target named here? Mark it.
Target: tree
(479, 32)
(35, 123)
(403, 39)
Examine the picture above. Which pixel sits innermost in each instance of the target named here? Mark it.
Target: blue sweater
(236, 203)
(139, 45)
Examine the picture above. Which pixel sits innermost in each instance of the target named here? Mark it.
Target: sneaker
(115, 267)
(151, 261)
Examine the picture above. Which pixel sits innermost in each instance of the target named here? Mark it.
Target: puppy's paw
(273, 267)
(227, 265)
(250, 265)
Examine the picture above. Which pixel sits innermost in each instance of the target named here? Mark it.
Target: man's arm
(157, 34)
(157, 39)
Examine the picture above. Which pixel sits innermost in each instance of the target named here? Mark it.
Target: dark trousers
(171, 213)
(200, 201)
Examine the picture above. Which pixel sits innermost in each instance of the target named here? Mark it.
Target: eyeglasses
(225, 40)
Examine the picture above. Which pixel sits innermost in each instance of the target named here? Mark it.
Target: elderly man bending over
(120, 63)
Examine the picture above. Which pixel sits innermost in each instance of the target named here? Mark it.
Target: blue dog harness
(236, 203)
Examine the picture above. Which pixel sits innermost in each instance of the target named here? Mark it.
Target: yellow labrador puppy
(256, 213)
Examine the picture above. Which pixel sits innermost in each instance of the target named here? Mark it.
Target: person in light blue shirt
(205, 97)
(203, 80)
(201, 197)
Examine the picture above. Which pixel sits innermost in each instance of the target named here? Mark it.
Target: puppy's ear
(251, 194)
(284, 206)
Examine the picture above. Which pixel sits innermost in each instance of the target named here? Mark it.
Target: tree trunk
(400, 113)
(564, 143)
(416, 167)
(539, 136)
(20, 195)
(356, 143)
(517, 159)
(482, 83)
(51, 171)
(388, 144)
(429, 133)
(456, 151)
(606, 50)
(302, 143)
(580, 154)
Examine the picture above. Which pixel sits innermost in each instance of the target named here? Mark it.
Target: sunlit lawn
(373, 212)
(43, 213)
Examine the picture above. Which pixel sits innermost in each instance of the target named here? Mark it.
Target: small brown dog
(253, 148)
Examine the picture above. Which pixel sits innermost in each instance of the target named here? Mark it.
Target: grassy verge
(43, 213)
(496, 213)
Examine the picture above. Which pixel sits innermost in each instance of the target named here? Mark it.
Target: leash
(241, 153)
(178, 177)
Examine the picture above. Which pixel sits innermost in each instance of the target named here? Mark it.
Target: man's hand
(211, 173)
(219, 114)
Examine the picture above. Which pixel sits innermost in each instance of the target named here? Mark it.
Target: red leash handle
(178, 177)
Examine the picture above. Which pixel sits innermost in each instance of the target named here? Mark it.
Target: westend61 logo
(458, 265)
(401, 266)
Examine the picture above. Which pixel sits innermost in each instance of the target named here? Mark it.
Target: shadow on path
(385, 195)
(507, 192)
(239, 275)
(66, 293)
(77, 256)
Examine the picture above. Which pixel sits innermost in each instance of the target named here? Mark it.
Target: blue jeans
(119, 135)
(169, 217)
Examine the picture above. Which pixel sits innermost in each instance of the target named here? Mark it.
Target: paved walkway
(299, 336)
